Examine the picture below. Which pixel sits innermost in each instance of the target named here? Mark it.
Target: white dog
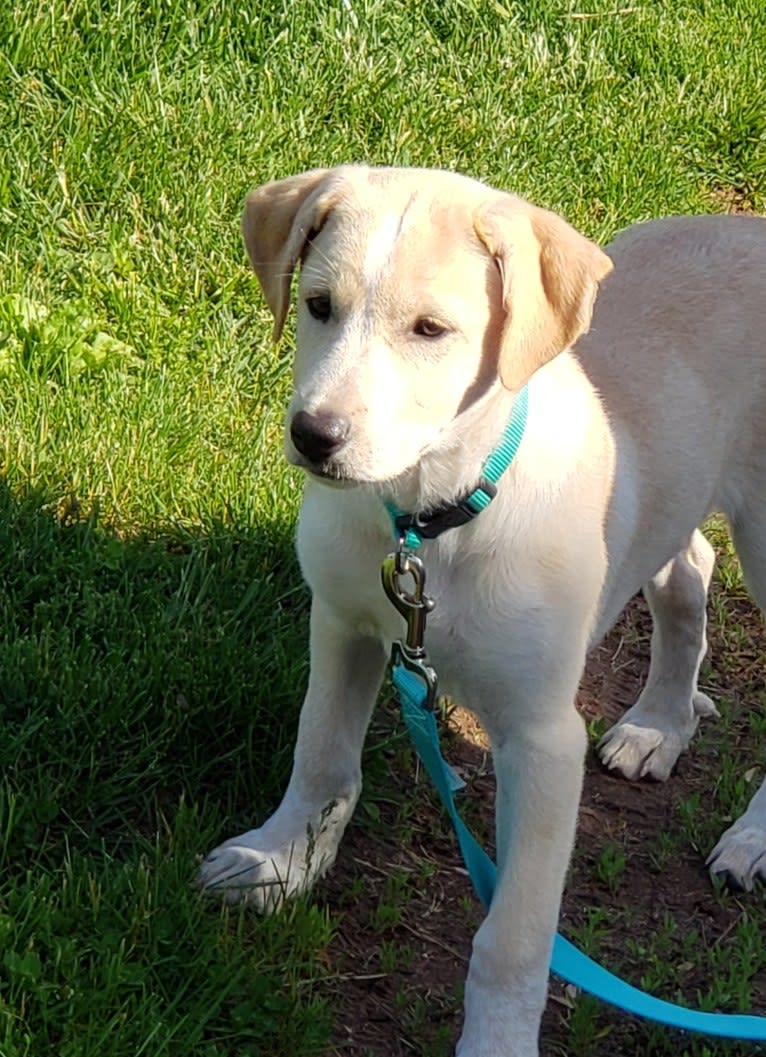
(426, 301)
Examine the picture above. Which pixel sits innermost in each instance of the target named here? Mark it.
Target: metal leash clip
(414, 606)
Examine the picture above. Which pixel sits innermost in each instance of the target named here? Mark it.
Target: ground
(638, 896)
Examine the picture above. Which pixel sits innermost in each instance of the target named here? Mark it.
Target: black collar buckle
(431, 523)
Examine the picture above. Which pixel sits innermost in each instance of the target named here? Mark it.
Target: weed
(610, 867)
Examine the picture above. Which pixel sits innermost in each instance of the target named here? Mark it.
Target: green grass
(152, 620)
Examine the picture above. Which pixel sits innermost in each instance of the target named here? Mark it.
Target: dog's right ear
(278, 220)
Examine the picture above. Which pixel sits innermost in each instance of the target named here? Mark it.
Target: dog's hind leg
(651, 735)
(740, 855)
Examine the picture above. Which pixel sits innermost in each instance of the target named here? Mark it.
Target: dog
(426, 302)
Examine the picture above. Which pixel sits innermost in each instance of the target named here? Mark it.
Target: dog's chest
(344, 569)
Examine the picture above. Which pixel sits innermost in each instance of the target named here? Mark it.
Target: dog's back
(688, 297)
(684, 314)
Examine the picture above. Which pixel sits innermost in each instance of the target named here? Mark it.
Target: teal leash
(566, 960)
(415, 681)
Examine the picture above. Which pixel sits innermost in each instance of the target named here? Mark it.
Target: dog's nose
(319, 436)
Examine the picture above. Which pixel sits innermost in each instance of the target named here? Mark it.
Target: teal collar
(412, 529)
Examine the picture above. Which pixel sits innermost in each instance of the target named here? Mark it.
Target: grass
(152, 619)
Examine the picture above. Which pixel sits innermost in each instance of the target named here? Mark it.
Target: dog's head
(420, 292)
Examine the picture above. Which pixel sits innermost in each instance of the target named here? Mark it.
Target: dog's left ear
(550, 275)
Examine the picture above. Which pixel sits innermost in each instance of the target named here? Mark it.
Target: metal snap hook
(414, 605)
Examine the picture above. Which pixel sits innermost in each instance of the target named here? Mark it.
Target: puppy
(426, 302)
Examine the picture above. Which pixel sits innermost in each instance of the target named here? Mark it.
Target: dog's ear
(550, 274)
(278, 220)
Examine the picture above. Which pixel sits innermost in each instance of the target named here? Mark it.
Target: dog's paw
(639, 751)
(739, 857)
(645, 744)
(249, 868)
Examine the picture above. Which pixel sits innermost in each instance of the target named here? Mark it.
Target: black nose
(319, 436)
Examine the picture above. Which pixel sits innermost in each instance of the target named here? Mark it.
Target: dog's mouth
(329, 473)
(335, 476)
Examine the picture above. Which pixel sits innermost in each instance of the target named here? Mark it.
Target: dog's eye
(319, 306)
(429, 328)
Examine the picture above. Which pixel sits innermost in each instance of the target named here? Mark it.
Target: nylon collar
(412, 529)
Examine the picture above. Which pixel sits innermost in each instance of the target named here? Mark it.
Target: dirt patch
(397, 963)
(735, 199)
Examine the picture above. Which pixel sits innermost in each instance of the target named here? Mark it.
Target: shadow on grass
(149, 691)
(139, 672)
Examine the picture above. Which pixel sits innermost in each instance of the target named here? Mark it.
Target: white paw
(739, 857)
(646, 744)
(250, 868)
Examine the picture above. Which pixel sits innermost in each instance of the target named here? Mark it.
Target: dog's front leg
(539, 771)
(298, 843)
